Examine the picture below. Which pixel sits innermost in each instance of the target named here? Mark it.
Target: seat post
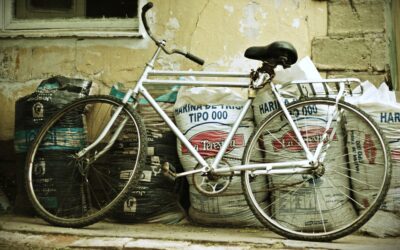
(268, 67)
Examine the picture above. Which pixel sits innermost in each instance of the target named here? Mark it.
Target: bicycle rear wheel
(339, 196)
(67, 190)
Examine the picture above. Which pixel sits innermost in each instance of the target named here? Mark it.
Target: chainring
(212, 184)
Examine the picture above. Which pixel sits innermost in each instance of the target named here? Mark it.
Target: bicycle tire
(318, 207)
(69, 191)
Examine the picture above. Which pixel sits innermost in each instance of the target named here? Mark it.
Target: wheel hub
(319, 170)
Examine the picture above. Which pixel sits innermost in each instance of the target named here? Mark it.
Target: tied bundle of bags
(31, 112)
(381, 104)
(156, 198)
(50, 96)
(205, 116)
(299, 206)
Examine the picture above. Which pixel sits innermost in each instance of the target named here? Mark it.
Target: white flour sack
(305, 203)
(205, 116)
(381, 105)
(265, 102)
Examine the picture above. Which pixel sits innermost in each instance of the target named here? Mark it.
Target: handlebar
(146, 8)
(161, 43)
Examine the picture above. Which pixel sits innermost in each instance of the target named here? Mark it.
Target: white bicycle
(323, 192)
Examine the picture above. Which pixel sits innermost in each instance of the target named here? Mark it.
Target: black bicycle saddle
(273, 53)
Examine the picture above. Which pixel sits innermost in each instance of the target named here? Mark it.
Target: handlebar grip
(145, 8)
(194, 58)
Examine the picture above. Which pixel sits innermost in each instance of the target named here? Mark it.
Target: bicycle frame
(289, 167)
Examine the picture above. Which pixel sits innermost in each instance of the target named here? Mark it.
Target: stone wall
(356, 43)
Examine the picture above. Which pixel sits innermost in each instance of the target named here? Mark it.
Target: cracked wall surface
(218, 31)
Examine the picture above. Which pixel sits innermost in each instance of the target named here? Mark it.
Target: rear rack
(329, 87)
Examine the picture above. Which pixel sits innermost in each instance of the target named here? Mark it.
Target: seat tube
(296, 131)
(229, 138)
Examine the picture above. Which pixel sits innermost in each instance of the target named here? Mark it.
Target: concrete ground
(17, 232)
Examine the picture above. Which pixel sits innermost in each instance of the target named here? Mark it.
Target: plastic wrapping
(30, 113)
(156, 198)
(382, 106)
(49, 182)
(51, 95)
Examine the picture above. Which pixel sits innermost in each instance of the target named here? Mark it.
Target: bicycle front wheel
(75, 191)
(336, 198)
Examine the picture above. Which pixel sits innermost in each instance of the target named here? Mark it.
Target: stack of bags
(381, 104)
(30, 114)
(205, 116)
(155, 198)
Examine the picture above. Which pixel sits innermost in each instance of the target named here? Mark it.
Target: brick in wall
(359, 53)
(356, 16)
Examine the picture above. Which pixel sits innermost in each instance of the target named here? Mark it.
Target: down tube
(234, 128)
(171, 124)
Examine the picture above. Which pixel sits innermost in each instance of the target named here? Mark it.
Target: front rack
(185, 80)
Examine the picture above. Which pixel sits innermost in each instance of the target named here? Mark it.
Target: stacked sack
(282, 145)
(205, 116)
(51, 95)
(381, 105)
(30, 113)
(155, 198)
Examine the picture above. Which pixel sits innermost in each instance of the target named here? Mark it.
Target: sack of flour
(382, 106)
(298, 206)
(205, 116)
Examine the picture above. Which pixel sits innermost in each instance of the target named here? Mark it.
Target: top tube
(195, 82)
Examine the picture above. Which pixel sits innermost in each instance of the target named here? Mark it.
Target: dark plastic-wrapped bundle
(55, 186)
(52, 94)
(31, 112)
(155, 198)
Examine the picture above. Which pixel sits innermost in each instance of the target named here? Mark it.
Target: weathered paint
(217, 30)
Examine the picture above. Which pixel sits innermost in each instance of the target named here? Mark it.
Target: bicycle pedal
(169, 171)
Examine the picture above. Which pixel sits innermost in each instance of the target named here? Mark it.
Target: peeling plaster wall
(218, 31)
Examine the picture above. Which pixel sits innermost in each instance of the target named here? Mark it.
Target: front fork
(102, 135)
